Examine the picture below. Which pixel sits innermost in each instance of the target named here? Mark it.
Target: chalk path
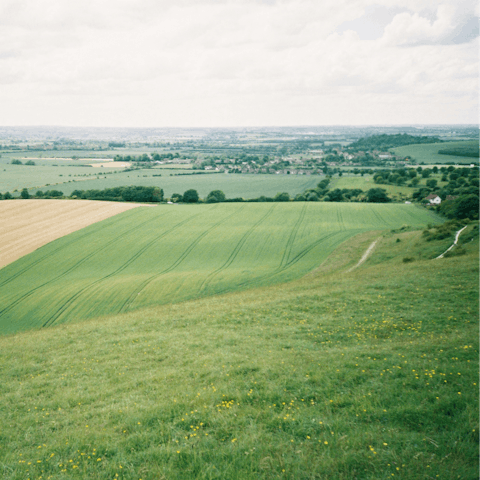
(454, 243)
(367, 253)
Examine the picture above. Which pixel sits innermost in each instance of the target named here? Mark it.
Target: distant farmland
(151, 256)
(428, 153)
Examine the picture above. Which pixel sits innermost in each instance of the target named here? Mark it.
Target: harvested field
(26, 225)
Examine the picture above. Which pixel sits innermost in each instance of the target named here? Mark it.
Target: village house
(434, 199)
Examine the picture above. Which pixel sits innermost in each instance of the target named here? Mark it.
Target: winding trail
(454, 243)
(367, 253)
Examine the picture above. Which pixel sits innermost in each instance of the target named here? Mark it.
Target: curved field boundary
(7, 308)
(281, 269)
(26, 225)
(43, 258)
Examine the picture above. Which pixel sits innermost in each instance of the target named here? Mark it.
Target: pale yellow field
(26, 225)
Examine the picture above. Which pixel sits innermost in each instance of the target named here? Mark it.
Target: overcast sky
(128, 63)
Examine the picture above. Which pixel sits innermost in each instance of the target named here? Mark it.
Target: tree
(53, 193)
(16, 162)
(282, 197)
(466, 206)
(176, 197)
(30, 162)
(377, 195)
(190, 196)
(415, 181)
(334, 196)
(7, 196)
(215, 196)
(431, 183)
(39, 194)
(24, 193)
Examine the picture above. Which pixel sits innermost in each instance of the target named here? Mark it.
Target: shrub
(190, 196)
(282, 197)
(215, 196)
(456, 251)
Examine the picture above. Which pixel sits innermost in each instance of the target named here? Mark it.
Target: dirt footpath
(26, 225)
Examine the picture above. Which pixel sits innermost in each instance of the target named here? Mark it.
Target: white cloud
(186, 62)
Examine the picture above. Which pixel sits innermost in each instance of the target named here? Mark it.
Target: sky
(226, 63)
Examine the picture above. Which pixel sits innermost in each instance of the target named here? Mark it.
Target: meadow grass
(364, 375)
(428, 152)
(151, 256)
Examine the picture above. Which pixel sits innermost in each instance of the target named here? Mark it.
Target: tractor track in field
(134, 257)
(293, 235)
(234, 253)
(281, 269)
(70, 269)
(179, 260)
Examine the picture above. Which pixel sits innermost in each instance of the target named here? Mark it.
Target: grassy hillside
(370, 375)
(163, 254)
(428, 153)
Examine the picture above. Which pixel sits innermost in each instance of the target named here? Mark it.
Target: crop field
(233, 185)
(151, 256)
(29, 224)
(70, 175)
(428, 153)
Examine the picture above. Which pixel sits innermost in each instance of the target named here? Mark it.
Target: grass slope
(366, 375)
(151, 256)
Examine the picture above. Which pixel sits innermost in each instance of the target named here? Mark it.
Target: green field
(163, 254)
(366, 182)
(67, 178)
(368, 375)
(233, 185)
(428, 153)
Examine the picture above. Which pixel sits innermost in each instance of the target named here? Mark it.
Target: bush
(282, 197)
(16, 162)
(215, 196)
(408, 259)
(456, 251)
(190, 196)
(441, 232)
(30, 162)
(377, 195)
(54, 193)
